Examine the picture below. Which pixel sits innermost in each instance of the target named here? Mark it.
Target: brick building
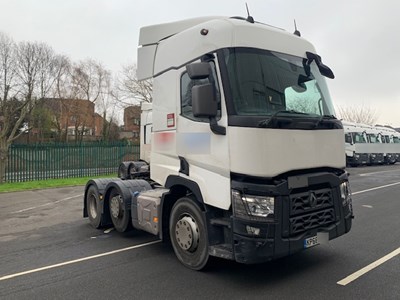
(132, 122)
(74, 117)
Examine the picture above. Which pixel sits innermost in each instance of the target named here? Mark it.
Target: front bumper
(271, 245)
(390, 158)
(376, 158)
(358, 159)
(294, 220)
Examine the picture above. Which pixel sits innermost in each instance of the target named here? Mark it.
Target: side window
(186, 94)
(347, 138)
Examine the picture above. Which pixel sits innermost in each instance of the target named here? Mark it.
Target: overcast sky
(358, 39)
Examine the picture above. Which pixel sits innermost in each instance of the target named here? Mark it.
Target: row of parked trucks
(369, 145)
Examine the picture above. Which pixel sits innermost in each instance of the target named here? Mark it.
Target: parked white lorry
(388, 139)
(376, 146)
(246, 159)
(356, 143)
(395, 138)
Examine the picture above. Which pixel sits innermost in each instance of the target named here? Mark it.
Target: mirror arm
(215, 128)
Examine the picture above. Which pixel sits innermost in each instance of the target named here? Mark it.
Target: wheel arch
(178, 187)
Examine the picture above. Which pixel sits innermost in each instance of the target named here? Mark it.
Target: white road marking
(76, 260)
(380, 261)
(368, 268)
(367, 206)
(109, 230)
(373, 173)
(376, 188)
(46, 204)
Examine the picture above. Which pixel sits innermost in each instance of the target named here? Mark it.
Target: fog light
(252, 230)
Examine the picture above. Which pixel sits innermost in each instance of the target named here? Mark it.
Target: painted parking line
(368, 268)
(70, 262)
(378, 262)
(46, 204)
(376, 188)
(378, 172)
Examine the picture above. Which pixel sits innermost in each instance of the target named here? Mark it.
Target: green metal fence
(45, 161)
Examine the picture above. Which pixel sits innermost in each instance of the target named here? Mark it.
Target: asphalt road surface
(48, 251)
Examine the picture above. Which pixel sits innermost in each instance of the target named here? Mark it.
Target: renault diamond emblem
(312, 200)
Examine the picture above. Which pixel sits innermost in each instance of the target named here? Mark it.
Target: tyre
(93, 206)
(188, 234)
(123, 170)
(120, 215)
(134, 168)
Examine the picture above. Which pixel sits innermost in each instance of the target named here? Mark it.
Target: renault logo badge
(312, 200)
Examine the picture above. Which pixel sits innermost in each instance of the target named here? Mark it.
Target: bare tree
(130, 88)
(35, 69)
(107, 106)
(7, 94)
(48, 70)
(358, 114)
(21, 67)
(63, 89)
(90, 81)
(89, 78)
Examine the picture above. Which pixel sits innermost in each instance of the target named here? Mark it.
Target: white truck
(376, 146)
(395, 138)
(391, 148)
(242, 157)
(356, 143)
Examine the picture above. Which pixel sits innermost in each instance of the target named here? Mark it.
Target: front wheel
(188, 234)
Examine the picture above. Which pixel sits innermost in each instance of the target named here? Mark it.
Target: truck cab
(395, 137)
(243, 125)
(356, 144)
(376, 146)
(390, 149)
(246, 157)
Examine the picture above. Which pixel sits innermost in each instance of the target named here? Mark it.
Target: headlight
(345, 192)
(248, 206)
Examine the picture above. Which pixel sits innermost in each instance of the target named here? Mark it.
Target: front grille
(310, 201)
(313, 220)
(310, 209)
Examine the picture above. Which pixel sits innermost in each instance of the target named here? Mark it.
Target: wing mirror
(323, 69)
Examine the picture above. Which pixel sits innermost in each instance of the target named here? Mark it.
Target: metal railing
(44, 161)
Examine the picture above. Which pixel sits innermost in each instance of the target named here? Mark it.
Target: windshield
(263, 83)
(373, 138)
(358, 138)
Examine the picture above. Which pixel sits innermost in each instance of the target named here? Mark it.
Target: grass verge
(48, 183)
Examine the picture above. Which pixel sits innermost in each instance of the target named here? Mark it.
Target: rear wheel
(188, 234)
(93, 206)
(120, 215)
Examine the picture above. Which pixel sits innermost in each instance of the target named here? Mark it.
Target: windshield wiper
(324, 118)
(275, 117)
(328, 122)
